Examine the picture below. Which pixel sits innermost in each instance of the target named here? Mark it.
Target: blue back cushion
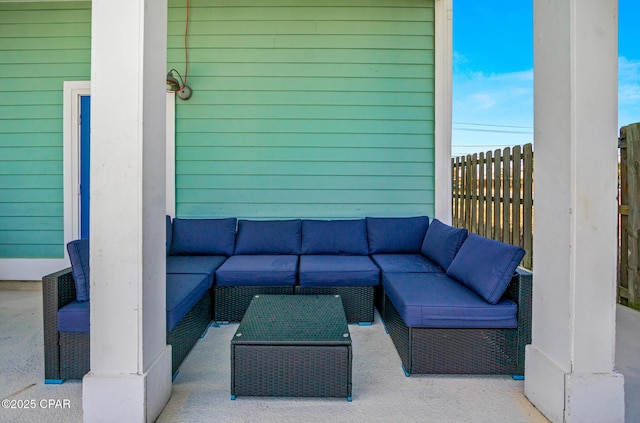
(486, 266)
(79, 256)
(169, 230)
(442, 242)
(204, 236)
(345, 237)
(268, 237)
(401, 235)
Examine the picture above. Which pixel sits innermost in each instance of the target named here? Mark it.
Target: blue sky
(493, 72)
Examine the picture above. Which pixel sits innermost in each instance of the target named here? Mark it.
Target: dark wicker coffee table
(292, 346)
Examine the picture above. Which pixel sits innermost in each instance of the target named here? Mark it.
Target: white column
(569, 372)
(130, 377)
(442, 135)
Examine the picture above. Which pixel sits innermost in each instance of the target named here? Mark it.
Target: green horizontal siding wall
(299, 110)
(304, 108)
(41, 45)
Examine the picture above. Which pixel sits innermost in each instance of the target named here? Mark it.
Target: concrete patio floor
(381, 392)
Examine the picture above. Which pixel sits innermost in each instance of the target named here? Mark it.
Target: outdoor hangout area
(439, 290)
(287, 237)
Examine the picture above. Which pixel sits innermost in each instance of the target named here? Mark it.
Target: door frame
(73, 90)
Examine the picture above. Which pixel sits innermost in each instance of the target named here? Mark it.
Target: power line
(495, 131)
(492, 125)
(479, 145)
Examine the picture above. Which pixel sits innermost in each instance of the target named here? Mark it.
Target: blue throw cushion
(388, 235)
(486, 266)
(259, 270)
(268, 237)
(442, 242)
(169, 229)
(74, 317)
(405, 263)
(203, 236)
(348, 237)
(434, 300)
(79, 257)
(183, 292)
(333, 270)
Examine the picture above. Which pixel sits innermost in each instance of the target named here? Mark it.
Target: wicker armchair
(66, 355)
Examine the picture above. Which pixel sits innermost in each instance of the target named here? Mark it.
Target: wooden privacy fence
(493, 196)
(629, 216)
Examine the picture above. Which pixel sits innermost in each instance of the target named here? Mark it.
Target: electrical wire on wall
(180, 87)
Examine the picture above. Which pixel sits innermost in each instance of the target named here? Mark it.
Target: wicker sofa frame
(356, 300)
(67, 355)
(465, 351)
(231, 302)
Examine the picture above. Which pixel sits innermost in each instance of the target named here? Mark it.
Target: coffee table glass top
(294, 319)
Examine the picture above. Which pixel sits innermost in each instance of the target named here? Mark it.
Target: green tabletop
(294, 320)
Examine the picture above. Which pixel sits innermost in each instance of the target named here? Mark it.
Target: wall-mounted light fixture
(179, 87)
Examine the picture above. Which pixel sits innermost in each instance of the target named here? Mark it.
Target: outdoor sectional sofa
(451, 303)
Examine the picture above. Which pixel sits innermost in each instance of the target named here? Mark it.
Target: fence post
(506, 195)
(489, 196)
(454, 191)
(481, 196)
(516, 195)
(527, 206)
(497, 175)
(633, 225)
(473, 215)
(623, 221)
(467, 192)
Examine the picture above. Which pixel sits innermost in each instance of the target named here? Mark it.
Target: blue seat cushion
(194, 264)
(396, 235)
(405, 263)
(268, 237)
(330, 270)
(258, 270)
(79, 257)
(485, 266)
(346, 237)
(183, 292)
(74, 317)
(442, 243)
(434, 300)
(203, 237)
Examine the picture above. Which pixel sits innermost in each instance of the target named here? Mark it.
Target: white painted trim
(34, 269)
(171, 154)
(73, 90)
(443, 106)
(21, 269)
